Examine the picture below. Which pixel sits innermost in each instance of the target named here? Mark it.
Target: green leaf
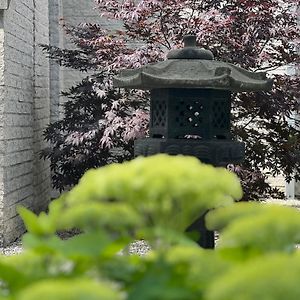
(83, 245)
(41, 244)
(218, 219)
(63, 289)
(86, 244)
(30, 220)
(11, 277)
(113, 217)
(159, 282)
(275, 277)
(40, 225)
(167, 191)
(256, 228)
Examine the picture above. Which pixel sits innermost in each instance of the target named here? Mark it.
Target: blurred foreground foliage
(155, 199)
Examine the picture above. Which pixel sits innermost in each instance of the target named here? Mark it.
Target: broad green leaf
(218, 219)
(83, 245)
(10, 277)
(266, 228)
(275, 277)
(63, 289)
(114, 217)
(39, 225)
(86, 244)
(160, 281)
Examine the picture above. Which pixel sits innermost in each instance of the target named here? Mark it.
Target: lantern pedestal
(215, 152)
(206, 238)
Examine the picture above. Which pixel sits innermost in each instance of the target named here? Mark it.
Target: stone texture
(55, 39)
(193, 67)
(75, 12)
(216, 152)
(4, 4)
(24, 113)
(194, 73)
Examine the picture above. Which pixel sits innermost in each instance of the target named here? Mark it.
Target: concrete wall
(41, 104)
(75, 12)
(55, 39)
(24, 113)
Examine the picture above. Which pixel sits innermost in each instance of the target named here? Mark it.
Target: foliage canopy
(100, 122)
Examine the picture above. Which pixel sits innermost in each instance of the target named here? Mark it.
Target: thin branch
(264, 45)
(250, 121)
(163, 31)
(267, 68)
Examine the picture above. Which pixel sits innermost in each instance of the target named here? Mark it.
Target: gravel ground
(14, 248)
(137, 247)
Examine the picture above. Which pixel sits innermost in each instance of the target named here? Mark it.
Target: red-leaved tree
(101, 122)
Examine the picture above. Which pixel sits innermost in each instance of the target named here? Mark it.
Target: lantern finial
(190, 50)
(190, 41)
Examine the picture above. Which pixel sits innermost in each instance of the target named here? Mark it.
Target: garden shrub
(257, 227)
(273, 277)
(155, 198)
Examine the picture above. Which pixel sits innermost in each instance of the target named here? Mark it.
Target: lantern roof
(193, 67)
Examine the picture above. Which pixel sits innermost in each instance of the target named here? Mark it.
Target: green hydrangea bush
(155, 199)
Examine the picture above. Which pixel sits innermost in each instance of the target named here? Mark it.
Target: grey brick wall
(24, 84)
(76, 12)
(2, 108)
(30, 98)
(41, 104)
(55, 39)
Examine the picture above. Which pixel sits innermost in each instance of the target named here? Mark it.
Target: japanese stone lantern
(190, 107)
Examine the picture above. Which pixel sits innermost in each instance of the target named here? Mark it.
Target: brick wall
(76, 12)
(41, 104)
(24, 112)
(56, 76)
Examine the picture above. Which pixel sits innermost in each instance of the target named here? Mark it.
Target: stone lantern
(190, 107)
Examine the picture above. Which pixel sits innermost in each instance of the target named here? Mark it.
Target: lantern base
(215, 152)
(205, 238)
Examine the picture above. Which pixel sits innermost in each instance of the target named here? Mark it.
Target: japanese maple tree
(101, 122)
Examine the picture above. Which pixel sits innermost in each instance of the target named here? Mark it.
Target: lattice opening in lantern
(189, 113)
(159, 114)
(220, 118)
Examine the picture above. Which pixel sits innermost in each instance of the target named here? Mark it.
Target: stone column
(292, 189)
(55, 39)
(41, 104)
